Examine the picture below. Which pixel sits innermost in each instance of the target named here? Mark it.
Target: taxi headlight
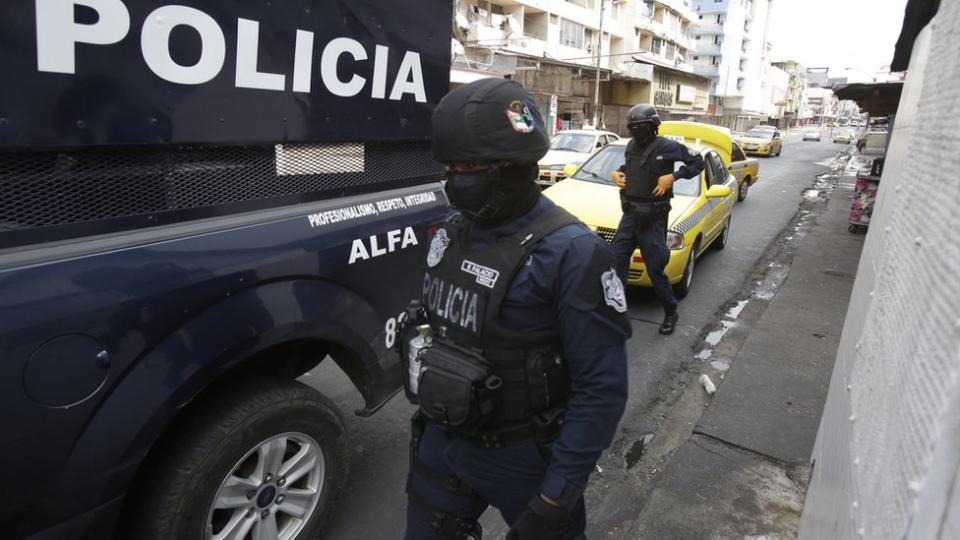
(674, 240)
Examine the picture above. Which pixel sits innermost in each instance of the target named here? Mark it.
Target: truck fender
(177, 369)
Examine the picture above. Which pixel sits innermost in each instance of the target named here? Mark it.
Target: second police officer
(646, 181)
(516, 349)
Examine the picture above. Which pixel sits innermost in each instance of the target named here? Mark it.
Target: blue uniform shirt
(563, 285)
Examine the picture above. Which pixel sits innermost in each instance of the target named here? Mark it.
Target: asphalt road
(373, 506)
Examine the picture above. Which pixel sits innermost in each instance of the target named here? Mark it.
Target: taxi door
(717, 175)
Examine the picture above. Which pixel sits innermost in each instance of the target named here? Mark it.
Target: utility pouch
(644, 212)
(457, 387)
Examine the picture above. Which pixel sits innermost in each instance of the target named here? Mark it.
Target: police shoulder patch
(438, 246)
(613, 293)
(601, 292)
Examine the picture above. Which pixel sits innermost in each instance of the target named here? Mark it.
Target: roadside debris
(708, 384)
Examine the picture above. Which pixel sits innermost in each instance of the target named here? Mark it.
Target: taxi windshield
(760, 134)
(572, 142)
(599, 168)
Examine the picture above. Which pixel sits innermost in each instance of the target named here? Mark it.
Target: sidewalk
(744, 470)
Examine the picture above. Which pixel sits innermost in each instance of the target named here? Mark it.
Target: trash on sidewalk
(708, 384)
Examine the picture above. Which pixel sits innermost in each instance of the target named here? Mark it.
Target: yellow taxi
(762, 140)
(701, 206)
(745, 169)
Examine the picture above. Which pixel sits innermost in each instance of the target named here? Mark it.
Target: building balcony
(526, 45)
(708, 28)
(680, 7)
(708, 48)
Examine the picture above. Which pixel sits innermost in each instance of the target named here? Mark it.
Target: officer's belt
(543, 428)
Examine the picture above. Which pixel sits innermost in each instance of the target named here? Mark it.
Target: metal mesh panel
(45, 189)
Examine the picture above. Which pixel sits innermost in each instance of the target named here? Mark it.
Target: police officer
(523, 380)
(646, 181)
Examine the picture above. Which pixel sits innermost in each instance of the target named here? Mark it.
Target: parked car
(745, 169)
(811, 135)
(844, 136)
(702, 205)
(571, 147)
(762, 140)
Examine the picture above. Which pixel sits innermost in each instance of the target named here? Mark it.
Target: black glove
(541, 521)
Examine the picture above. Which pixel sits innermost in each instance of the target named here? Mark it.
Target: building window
(719, 19)
(697, 38)
(695, 58)
(671, 51)
(657, 45)
(717, 40)
(554, 19)
(571, 34)
(715, 60)
(701, 17)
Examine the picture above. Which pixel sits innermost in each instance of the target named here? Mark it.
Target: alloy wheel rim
(690, 265)
(271, 493)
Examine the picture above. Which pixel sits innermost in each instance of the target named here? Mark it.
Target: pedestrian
(646, 181)
(601, 125)
(521, 380)
(559, 124)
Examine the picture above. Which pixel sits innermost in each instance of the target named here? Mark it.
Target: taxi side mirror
(569, 169)
(715, 192)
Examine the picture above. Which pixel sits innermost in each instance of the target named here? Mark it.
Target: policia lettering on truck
(58, 37)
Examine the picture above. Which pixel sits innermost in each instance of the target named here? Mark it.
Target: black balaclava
(496, 195)
(643, 133)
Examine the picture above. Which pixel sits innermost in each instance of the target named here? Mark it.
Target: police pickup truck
(200, 201)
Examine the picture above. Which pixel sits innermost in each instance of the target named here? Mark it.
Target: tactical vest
(643, 169)
(463, 290)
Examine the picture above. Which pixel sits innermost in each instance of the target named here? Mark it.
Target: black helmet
(641, 114)
(489, 121)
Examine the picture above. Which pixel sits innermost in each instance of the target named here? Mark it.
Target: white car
(811, 135)
(571, 147)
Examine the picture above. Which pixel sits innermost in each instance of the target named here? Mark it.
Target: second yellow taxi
(701, 206)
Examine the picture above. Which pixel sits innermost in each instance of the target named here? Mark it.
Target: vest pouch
(457, 387)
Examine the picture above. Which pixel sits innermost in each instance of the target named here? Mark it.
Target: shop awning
(878, 99)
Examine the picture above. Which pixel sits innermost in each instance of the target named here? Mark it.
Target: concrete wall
(888, 449)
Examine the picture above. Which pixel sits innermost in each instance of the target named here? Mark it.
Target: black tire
(682, 289)
(720, 241)
(743, 189)
(176, 499)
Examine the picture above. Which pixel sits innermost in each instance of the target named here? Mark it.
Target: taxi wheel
(721, 241)
(682, 289)
(743, 189)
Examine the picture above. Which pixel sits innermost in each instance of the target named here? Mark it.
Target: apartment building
(731, 46)
(795, 109)
(654, 61)
(552, 46)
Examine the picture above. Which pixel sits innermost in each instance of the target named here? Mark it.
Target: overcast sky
(837, 34)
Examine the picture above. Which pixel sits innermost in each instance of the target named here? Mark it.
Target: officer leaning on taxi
(646, 181)
(515, 351)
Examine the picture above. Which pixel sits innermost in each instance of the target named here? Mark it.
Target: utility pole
(596, 87)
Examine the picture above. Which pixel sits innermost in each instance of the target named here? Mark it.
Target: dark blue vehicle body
(113, 322)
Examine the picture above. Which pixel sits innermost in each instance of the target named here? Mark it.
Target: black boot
(669, 323)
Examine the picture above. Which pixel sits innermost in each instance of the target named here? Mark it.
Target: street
(373, 504)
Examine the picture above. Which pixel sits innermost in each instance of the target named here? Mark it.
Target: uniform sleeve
(692, 160)
(591, 308)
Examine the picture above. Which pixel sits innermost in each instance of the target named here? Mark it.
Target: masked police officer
(516, 348)
(645, 197)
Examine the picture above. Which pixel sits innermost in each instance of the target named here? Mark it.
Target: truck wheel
(262, 460)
